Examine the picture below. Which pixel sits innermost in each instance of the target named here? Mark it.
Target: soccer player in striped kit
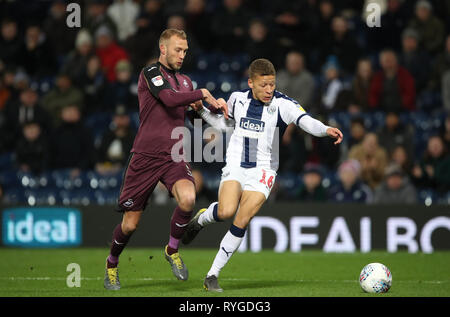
(258, 117)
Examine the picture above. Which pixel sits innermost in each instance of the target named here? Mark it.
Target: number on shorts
(269, 181)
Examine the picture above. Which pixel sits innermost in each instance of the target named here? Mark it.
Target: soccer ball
(375, 278)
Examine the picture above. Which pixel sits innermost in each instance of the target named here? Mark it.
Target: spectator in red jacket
(392, 88)
(108, 51)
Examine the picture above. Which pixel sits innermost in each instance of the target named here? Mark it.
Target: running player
(164, 94)
(258, 117)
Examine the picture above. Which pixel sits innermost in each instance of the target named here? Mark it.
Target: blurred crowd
(68, 96)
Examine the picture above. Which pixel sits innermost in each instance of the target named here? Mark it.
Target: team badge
(185, 83)
(128, 203)
(157, 81)
(271, 109)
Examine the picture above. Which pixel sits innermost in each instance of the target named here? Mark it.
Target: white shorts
(252, 179)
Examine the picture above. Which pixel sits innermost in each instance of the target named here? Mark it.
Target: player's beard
(173, 64)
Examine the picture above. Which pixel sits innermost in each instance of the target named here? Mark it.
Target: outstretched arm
(218, 121)
(317, 128)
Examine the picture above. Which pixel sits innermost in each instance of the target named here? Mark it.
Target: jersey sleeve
(231, 103)
(291, 112)
(155, 80)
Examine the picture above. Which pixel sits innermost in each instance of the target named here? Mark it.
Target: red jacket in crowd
(405, 83)
(109, 56)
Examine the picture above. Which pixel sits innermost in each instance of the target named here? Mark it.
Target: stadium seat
(444, 199)
(41, 196)
(289, 181)
(106, 197)
(98, 123)
(62, 179)
(14, 196)
(7, 161)
(329, 179)
(9, 179)
(428, 197)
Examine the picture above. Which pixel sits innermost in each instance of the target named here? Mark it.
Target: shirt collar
(168, 70)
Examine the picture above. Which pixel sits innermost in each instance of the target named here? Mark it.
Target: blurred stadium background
(69, 111)
(326, 56)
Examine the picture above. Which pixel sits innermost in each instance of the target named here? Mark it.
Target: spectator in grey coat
(295, 80)
(396, 188)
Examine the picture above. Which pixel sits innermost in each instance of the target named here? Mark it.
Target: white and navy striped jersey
(258, 128)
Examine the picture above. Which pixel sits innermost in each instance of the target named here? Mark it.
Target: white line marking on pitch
(48, 278)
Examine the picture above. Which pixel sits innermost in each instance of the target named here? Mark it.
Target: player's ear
(250, 83)
(163, 48)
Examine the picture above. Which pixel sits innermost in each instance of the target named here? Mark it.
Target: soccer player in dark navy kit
(164, 95)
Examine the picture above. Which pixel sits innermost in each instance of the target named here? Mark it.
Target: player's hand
(198, 105)
(336, 134)
(224, 107)
(214, 103)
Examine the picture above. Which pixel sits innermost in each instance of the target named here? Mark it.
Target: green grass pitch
(145, 272)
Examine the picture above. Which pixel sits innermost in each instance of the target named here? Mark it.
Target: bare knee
(225, 212)
(129, 227)
(187, 202)
(130, 223)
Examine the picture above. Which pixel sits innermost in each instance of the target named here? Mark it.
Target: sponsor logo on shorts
(158, 80)
(128, 203)
(181, 226)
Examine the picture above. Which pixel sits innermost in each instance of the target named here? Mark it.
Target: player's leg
(229, 195)
(257, 185)
(250, 204)
(138, 183)
(184, 193)
(121, 235)
(180, 183)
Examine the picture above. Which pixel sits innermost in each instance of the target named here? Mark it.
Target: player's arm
(317, 128)
(218, 121)
(295, 113)
(161, 89)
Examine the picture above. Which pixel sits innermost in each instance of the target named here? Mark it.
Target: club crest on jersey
(185, 84)
(271, 109)
(157, 81)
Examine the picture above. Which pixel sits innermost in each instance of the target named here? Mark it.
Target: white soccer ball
(375, 278)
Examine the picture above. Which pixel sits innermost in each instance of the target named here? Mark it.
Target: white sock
(209, 215)
(230, 243)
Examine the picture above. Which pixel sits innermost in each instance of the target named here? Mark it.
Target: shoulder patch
(157, 81)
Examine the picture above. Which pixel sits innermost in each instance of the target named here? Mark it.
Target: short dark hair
(261, 67)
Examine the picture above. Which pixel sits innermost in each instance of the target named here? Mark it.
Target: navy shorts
(141, 176)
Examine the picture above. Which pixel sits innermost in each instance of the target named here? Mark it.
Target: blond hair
(168, 33)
